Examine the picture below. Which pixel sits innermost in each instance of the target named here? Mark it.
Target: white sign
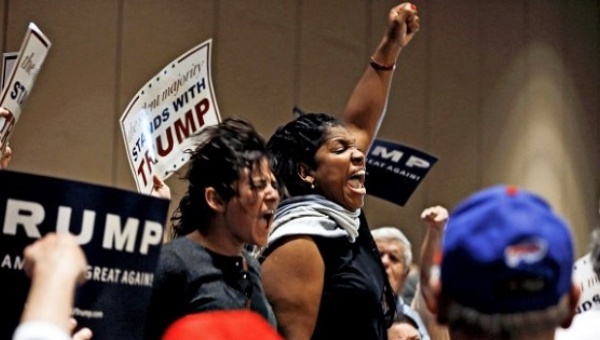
(586, 278)
(8, 62)
(31, 56)
(160, 119)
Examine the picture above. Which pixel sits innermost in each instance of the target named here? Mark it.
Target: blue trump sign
(394, 170)
(121, 233)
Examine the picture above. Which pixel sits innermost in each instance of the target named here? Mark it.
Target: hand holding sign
(56, 264)
(32, 54)
(160, 189)
(56, 255)
(159, 121)
(6, 151)
(120, 232)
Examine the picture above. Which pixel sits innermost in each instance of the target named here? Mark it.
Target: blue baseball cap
(506, 251)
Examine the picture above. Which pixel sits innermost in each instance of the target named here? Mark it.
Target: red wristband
(379, 67)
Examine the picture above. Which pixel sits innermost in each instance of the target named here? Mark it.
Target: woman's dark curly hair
(223, 152)
(297, 142)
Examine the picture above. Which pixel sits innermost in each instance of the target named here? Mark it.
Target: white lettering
(7, 262)
(116, 235)
(414, 161)
(63, 222)
(122, 237)
(27, 214)
(152, 236)
(382, 152)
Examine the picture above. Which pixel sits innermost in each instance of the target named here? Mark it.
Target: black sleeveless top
(357, 300)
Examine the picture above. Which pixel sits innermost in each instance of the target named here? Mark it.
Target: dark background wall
(501, 91)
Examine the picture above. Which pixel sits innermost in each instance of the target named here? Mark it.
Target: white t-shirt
(39, 330)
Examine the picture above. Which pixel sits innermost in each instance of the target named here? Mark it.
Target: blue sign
(121, 233)
(394, 170)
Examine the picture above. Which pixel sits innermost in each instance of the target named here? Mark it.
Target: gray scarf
(313, 215)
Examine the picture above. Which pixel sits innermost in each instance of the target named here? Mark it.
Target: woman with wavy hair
(230, 201)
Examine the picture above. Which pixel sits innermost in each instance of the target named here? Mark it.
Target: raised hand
(435, 217)
(403, 23)
(160, 189)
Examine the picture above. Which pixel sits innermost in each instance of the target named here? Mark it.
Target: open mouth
(357, 180)
(268, 215)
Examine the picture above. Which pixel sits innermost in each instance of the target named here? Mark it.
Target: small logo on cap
(512, 190)
(530, 251)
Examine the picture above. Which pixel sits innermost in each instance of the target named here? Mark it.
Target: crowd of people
(320, 271)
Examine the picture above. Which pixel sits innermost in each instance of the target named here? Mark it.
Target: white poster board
(31, 56)
(586, 278)
(8, 63)
(175, 104)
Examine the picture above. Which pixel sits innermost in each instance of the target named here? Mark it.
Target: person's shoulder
(183, 245)
(295, 249)
(295, 243)
(290, 242)
(182, 252)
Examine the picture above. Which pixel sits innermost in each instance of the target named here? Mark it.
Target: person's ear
(574, 295)
(214, 200)
(305, 173)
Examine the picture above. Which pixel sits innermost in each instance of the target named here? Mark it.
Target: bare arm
(56, 265)
(435, 330)
(435, 218)
(368, 101)
(293, 278)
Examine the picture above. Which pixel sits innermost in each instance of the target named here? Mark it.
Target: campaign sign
(394, 170)
(30, 58)
(121, 234)
(8, 62)
(586, 278)
(160, 119)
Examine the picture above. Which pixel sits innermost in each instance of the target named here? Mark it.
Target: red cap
(222, 325)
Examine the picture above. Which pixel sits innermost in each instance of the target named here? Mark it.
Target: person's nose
(272, 194)
(357, 157)
(385, 260)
